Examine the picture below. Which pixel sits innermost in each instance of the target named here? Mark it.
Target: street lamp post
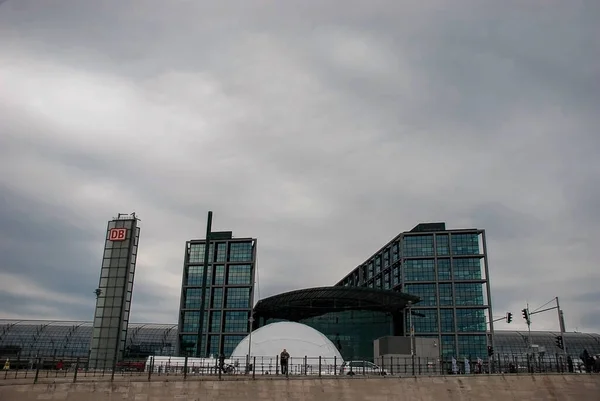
(411, 328)
(251, 320)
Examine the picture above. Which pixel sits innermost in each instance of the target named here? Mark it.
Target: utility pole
(529, 328)
(199, 347)
(561, 324)
(251, 321)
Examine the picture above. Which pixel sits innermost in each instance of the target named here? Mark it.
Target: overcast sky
(322, 128)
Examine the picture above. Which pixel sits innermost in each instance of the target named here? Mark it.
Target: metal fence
(157, 368)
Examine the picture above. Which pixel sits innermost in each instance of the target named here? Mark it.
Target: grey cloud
(322, 128)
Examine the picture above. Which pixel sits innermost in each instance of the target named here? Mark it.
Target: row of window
(217, 344)
(235, 298)
(423, 245)
(423, 270)
(464, 294)
(466, 320)
(217, 321)
(238, 252)
(236, 275)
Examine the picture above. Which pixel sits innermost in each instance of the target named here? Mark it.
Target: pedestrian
(222, 363)
(284, 357)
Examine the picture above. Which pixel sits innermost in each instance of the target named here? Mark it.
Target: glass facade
(228, 296)
(351, 331)
(446, 269)
(114, 292)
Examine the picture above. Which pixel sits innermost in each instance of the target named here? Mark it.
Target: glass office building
(447, 270)
(222, 321)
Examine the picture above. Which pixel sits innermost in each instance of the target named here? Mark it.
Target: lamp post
(251, 320)
(412, 331)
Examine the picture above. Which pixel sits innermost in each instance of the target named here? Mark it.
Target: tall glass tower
(448, 270)
(228, 295)
(114, 292)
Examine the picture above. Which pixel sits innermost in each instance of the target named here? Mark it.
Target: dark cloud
(323, 128)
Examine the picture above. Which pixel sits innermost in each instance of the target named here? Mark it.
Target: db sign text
(117, 234)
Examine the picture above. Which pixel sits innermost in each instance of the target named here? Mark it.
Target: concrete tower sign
(114, 292)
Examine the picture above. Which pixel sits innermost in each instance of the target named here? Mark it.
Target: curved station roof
(310, 302)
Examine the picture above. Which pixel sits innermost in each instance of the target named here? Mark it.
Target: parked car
(352, 368)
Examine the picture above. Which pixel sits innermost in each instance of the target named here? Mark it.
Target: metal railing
(158, 368)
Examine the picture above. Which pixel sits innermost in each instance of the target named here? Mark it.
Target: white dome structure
(298, 339)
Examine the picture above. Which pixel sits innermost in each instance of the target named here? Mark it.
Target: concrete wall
(480, 388)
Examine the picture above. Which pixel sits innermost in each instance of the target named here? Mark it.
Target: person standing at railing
(284, 357)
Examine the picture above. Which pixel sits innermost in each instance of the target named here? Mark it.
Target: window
(215, 321)
(221, 252)
(191, 322)
(217, 301)
(471, 320)
(467, 269)
(442, 245)
(418, 245)
(427, 293)
(229, 344)
(443, 269)
(395, 252)
(472, 346)
(236, 322)
(196, 253)
(193, 298)
(446, 297)
(448, 347)
(238, 298)
(396, 275)
(465, 244)
(419, 270)
(219, 275)
(194, 275)
(447, 320)
(239, 275)
(213, 345)
(427, 324)
(240, 252)
(468, 294)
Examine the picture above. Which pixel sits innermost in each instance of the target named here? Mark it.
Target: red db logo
(117, 234)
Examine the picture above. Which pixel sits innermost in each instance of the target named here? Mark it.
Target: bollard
(150, 368)
(185, 367)
(319, 366)
(253, 367)
(37, 371)
(305, 365)
(391, 365)
(76, 370)
(277, 365)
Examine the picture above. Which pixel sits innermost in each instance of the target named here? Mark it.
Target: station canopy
(301, 304)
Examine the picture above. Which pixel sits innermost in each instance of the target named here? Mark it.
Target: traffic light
(508, 317)
(490, 350)
(526, 315)
(559, 342)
